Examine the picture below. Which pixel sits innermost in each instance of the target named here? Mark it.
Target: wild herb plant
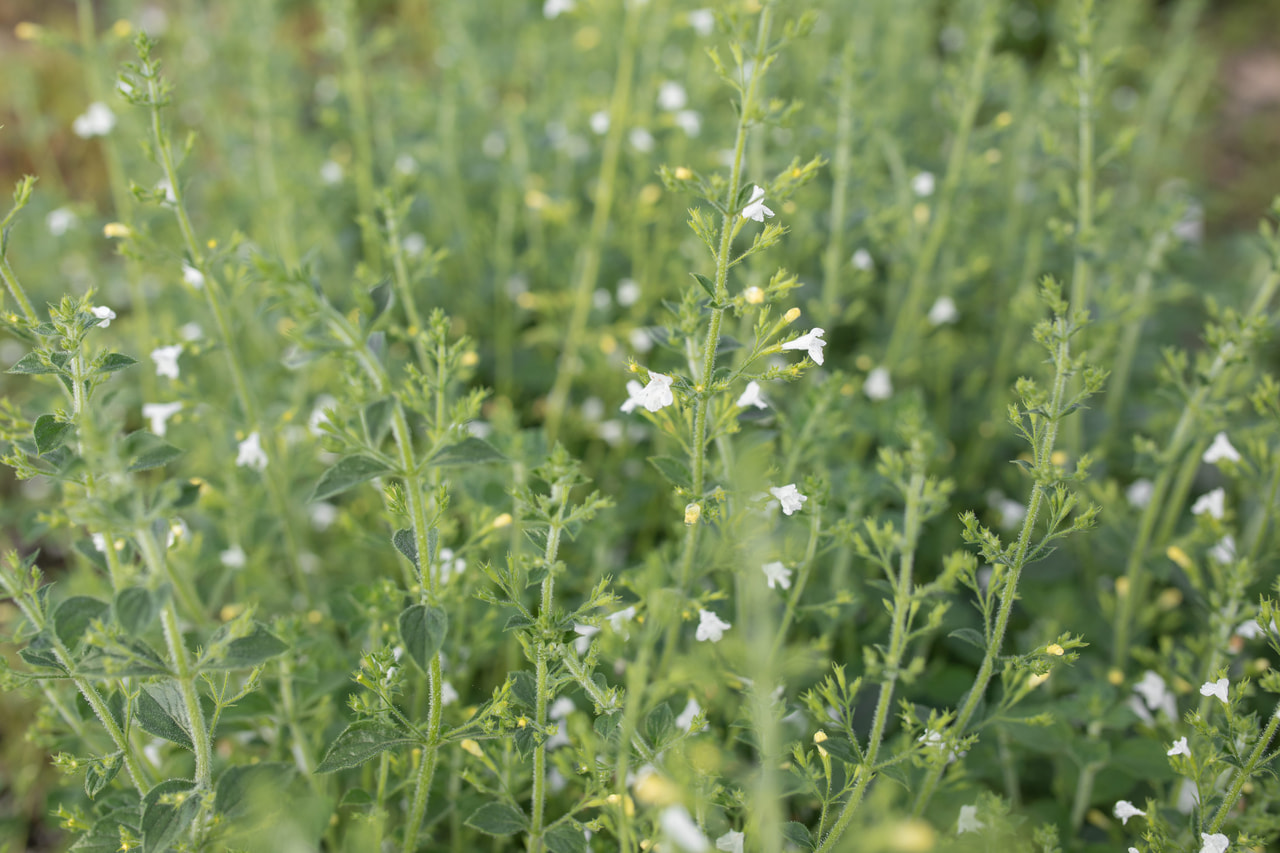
(587, 426)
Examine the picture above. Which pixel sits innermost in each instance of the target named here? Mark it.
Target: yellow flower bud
(792, 315)
(1004, 119)
(682, 173)
(1115, 677)
(1037, 680)
(469, 745)
(1179, 556)
(819, 736)
(470, 359)
(503, 520)
(116, 229)
(913, 836)
(692, 512)
(1122, 587)
(753, 295)
(121, 28)
(1055, 650)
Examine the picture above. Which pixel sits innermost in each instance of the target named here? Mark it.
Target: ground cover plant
(631, 426)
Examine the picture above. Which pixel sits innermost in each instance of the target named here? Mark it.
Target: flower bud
(692, 512)
(682, 173)
(753, 295)
(1055, 650)
(501, 521)
(791, 316)
(116, 229)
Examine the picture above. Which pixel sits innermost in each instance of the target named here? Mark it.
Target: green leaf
(361, 741)
(606, 725)
(32, 364)
(251, 791)
(50, 433)
(124, 657)
(970, 636)
(356, 798)
(497, 819)
(423, 630)
(349, 472)
(40, 653)
(116, 361)
(73, 616)
(136, 608)
(100, 773)
(243, 652)
(377, 419)
(407, 545)
(659, 723)
(146, 451)
(163, 823)
(798, 834)
(707, 284)
(675, 471)
(160, 711)
(566, 838)
(469, 451)
(381, 295)
(524, 688)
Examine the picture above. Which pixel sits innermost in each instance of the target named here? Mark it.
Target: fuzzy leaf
(50, 433)
(72, 617)
(423, 630)
(469, 451)
(381, 295)
(707, 284)
(566, 838)
(136, 608)
(970, 636)
(116, 361)
(245, 652)
(164, 823)
(405, 544)
(250, 792)
(31, 364)
(497, 819)
(676, 472)
(160, 710)
(798, 834)
(347, 473)
(99, 774)
(146, 451)
(359, 742)
(377, 419)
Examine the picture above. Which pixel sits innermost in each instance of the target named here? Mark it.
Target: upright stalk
(1245, 773)
(841, 166)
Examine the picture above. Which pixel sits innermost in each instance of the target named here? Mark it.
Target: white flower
(1179, 748)
(323, 514)
(1216, 688)
(1139, 493)
(59, 221)
(671, 96)
(163, 186)
(682, 831)
(618, 621)
(556, 8)
(98, 120)
(178, 531)
(599, 122)
(1157, 694)
(234, 557)
(755, 208)
(628, 292)
(878, 385)
(1213, 503)
(943, 311)
(448, 694)
(922, 184)
(405, 164)
(703, 21)
(1125, 810)
(1188, 797)
(330, 172)
(159, 414)
(449, 564)
(777, 574)
(690, 121)
(730, 842)
(862, 260)
(641, 139)
(691, 710)
(192, 276)
(103, 313)
(1221, 449)
(166, 359)
(561, 708)
(99, 542)
(414, 244)
(1225, 551)
(812, 342)
(1215, 843)
(1011, 512)
(710, 627)
(789, 496)
(751, 397)
(654, 396)
(968, 821)
(251, 454)
(935, 740)
(585, 633)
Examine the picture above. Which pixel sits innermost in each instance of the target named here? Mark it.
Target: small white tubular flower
(862, 260)
(671, 96)
(448, 694)
(682, 831)
(250, 453)
(811, 342)
(654, 396)
(703, 21)
(752, 397)
(178, 532)
(619, 621)
(1214, 503)
(635, 396)
(628, 293)
(710, 627)
(1157, 694)
(789, 496)
(234, 557)
(192, 276)
(585, 632)
(730, 842)
(555, 8)
(1221, 449)
(599, 122)
(1215, 843)
(99, 542)
(755, 208)
(60, 221)
(923, 184)
(1188, 797)
(159, 414)
(690, 121)
(1225, 551)
(641, 139)
(166, 359)
(777, 574)
(331, 172)
(1125, 810)
(1216, 688)
(97, 120)
(103, 313)
(878, 385)
(943, 311)
(1179, 748)
(968, 821)
(1139, 493)
(691, 710)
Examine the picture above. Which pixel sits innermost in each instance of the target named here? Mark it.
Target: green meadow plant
(590, 425)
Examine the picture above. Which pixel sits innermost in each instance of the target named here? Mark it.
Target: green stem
(561, 492)
(1082, 269)
(1118, 382)
(361, 134)
(1245, 773)
(15, 289)
(802, 579)
(841, 166)
(430, 756)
